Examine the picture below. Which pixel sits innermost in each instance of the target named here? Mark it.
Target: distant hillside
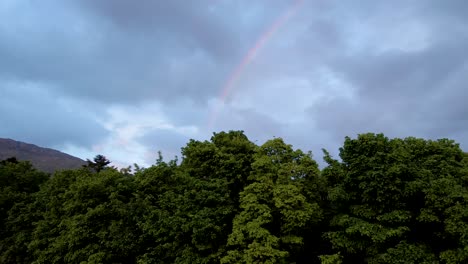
(45, 159)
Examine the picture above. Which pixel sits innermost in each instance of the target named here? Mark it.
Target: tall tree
(19, 182)
(198, 199)
(398, 201)
(88, 218)
(99, 163)
(164, 230)
(228, 156)
(274, 207)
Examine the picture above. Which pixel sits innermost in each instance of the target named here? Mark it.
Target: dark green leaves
(398, 200)
(231, 201)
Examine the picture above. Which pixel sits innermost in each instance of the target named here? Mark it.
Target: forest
(229, 200)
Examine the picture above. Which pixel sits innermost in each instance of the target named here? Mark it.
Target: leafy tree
(398, 201)
(221, 169)
(159, 190)
(88, 218)
(18, 183)
(275, 209)
(230, 201)
(99, 163)
(228, 156)
(9, 160)
(192, 206)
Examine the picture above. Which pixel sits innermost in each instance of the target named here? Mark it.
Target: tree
(398, 201)
(192, 205)
(274, 207)
(87, 218)
(159, 191)
(19, 182)
(231, 201)
(99, 163)
(9, 160)
(228, 156)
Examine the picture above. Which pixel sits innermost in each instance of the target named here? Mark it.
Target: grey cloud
(401, 94)
(451, 10)
(192, 22)
(31, 115)
(116, 70)
(82, 55)
(187, 113)
(401, 72)
(123, 52)
(398, 92)
(257, 126)
(178, 54)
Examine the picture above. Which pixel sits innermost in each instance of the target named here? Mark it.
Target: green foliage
(228, 157)
(231, 201)
(331, 259)
(190, 216)
(275, 210)
(18, 183)
(99, 163)
(398, 201)
(88, 218)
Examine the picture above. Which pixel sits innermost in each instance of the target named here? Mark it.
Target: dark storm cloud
(195, 23)
(112, 51)
(126, 52)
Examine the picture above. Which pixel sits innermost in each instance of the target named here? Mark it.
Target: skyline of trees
(229, 200)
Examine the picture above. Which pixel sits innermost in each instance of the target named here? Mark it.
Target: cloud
(84, 55)
(168, 141)
(137, 133)
(197, 24)
(33, 115)
(127, 78)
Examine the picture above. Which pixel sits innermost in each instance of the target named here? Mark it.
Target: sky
(129, 78)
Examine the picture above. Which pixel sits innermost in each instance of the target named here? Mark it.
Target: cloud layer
(127, 79)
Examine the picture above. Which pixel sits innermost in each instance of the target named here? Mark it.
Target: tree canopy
(229, 200)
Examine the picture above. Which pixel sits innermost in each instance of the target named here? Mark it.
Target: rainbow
(247, 59)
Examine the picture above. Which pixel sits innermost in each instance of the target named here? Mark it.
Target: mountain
(44, 159)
